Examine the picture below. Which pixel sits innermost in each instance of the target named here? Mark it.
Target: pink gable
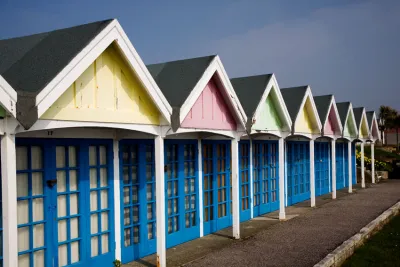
(331, 123)
(210, 111)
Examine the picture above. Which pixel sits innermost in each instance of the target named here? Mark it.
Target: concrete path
(308, 238)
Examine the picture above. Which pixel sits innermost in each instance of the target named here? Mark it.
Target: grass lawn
(383, 249)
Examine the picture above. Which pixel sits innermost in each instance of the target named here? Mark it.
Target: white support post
(251, 178)
(362, 166)
(117, 201)
(373, 162)
(235, 189)
(281, 151)
(160, 202)
(9, 193)
(312, 173)
(200, 179)
(350, 163)
(333, 156)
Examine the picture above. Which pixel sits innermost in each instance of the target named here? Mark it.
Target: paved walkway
(307, 239)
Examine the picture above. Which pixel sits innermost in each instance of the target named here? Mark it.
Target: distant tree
(387, 119)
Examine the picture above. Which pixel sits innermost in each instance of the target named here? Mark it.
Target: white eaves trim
(214, 67)
(273, 85)
(55, 124)
(113, 32)
(8, 97)
(308, 95)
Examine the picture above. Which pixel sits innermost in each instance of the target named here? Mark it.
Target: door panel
(265, 177)
(298, 173)
(55, 202)
(138, 198)
(216, 185)
(322, 170)
(181, 191)
(340, 165)
(244, 178)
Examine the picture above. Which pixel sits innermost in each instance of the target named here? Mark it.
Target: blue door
(342, 169)
(265, 177)
(138, 199)
(244, 178)
(181, 198)
(216, 185)
(298, 172)
(65, 202)
(346, 164)
(322, 174)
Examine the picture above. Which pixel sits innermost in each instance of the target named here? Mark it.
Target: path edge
(337, 257)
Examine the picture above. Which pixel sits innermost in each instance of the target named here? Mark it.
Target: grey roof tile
(293, 97)
(343, 108)
(322, 103)
(358, 115)
(250, 90)
(29, 63)
(177, 79)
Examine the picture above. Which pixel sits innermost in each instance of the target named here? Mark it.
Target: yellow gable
(108, 91)
(304, 123)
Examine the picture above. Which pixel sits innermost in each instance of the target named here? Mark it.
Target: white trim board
(54, 124)
(215, 67)
(8, 97)
(282, 109)
(112, 33)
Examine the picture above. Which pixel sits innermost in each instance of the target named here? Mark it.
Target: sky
(350, 49)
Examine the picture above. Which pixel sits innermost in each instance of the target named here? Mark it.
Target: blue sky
(347, 48)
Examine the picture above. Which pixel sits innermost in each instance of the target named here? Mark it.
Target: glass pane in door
(69, 238)
(30, 206)
(99, 201)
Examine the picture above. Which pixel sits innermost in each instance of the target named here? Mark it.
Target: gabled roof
(253, 92)
(178, 78)
(182, 82)
(40, 67)
(370, 117)
(295, 99)
(372, 122)
(324, 104)
(343, 109)
(358, 113)
(250, 90)
(29, 63)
